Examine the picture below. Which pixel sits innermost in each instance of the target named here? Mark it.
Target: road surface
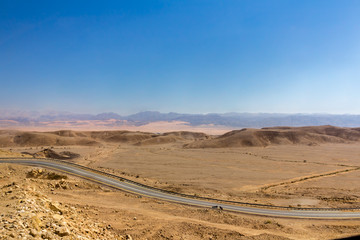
(132, 187)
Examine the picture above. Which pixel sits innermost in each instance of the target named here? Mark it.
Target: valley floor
(309, 176)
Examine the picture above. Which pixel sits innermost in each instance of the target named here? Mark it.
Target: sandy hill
(59, 138)
(280, 135)
(188, 135)
(237, 138)
(11, 138)
(120, 136)
(171, 137)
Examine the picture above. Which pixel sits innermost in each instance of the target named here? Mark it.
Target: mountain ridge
(236, 120)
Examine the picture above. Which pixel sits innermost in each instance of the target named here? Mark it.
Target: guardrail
(182, 194)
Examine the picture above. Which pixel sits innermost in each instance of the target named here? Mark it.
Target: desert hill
(21, 138)
(49, 153)
(12, 138)
(237, 138)
(120, 136)
(171, 137)
(280, 135)
(188, 135)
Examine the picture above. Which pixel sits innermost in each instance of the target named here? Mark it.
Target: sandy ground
(309, 176)
(144, 218)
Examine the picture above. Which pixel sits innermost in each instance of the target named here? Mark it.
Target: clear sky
(182, 56)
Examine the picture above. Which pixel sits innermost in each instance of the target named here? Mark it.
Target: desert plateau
(299, 167)
(179, 120)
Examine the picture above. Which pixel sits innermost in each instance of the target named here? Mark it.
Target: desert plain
(309, 167)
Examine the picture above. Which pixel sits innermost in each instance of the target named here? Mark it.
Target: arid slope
(11, 138)
(237, 138)
(279, 136)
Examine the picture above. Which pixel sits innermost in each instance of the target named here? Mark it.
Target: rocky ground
(27, 213)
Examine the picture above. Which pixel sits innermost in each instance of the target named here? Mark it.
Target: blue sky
(181, 56)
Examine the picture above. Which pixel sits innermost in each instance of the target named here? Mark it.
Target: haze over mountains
(230, 120)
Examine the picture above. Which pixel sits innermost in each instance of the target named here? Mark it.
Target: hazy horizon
(15, 112)
(153, 121)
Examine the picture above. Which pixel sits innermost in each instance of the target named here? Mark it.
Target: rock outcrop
(29, 214)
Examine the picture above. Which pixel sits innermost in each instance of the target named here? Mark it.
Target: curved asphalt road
(141, 190)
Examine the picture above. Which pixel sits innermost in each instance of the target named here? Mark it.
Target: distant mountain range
(232, 120)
